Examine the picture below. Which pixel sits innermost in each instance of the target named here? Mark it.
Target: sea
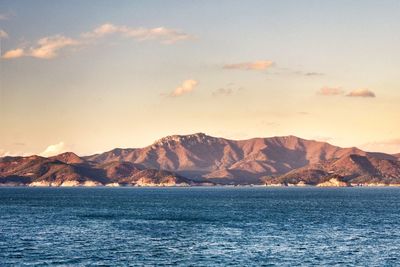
(199, 226)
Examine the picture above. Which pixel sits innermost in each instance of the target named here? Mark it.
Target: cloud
(388, 146)
(53, 150)
(46, 48)
(161, 34)
(333, 91)
(187, 86)
(256, 65)
(101, 31)
(322, 138)
(3, 34)
(299, 72)
(50, 46)
(4, 153)
(330, 91)
(228, 90)
(361, 93)
(19, 52)
(289, 71)
(314, 74)
(223, 91)
(4, 16)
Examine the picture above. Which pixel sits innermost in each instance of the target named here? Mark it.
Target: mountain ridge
(199, 158)
(199, 155)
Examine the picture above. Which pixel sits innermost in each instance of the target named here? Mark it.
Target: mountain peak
(188, 139)
(68, 157)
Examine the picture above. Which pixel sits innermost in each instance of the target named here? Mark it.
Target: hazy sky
(89, 76)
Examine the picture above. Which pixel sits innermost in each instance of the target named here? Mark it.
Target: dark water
(200, 226)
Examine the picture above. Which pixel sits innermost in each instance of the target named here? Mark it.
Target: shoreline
(8, 185)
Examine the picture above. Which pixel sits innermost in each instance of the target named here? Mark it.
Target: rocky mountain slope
(68, 169)
(187, 159)
(354, 169)
(199, 156)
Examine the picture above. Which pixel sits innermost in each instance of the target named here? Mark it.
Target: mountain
(199, 158)
(68, 169)
(68, 157)
(354, 169)
(38, 170)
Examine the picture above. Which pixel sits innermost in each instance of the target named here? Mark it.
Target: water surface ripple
(200, 226)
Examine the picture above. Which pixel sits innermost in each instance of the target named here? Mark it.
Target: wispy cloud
(361, 93)
(161, 34)
(45, 48)
(312, 73)
(15, 53)
(223, 91)
(334, 91)
(53, 150)
(261, 65)
(3, 34)
(255, 65)
(228, 90)
(186, 87)
(330, 91)
(322, 138)
(4, 153)
(50, 46)
(389, 146)
(5, 16)
(289, 71)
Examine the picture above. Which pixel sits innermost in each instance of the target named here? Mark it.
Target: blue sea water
(200, 226)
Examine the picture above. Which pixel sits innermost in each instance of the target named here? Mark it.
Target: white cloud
(187, 86)
(3, 34)
(16, 53)
(256, 65)
(53, 150)
(101, 31)
(46, 48)
(361, 93)
(322, 138)
(329, 91)
(4, 153)
(50, 46)
(161, 34)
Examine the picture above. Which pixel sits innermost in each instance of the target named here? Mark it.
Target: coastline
(115, 185)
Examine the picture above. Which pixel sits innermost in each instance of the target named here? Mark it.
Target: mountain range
(199, 159)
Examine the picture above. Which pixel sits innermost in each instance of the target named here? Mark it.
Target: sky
(89, 76)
